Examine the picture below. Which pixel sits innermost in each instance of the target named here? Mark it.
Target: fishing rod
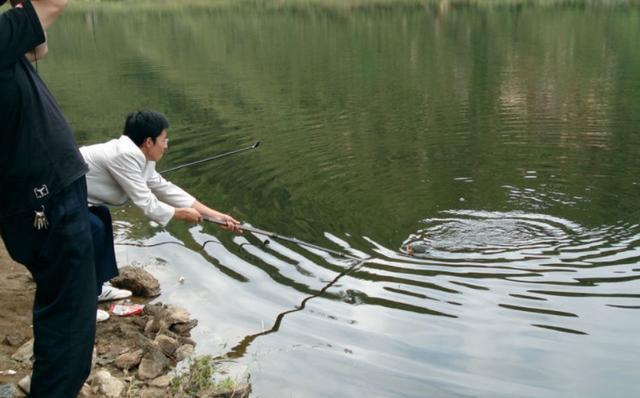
(222, 155)
(274, 235)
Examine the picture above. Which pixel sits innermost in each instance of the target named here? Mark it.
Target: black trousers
(60, 258)
(104, 255)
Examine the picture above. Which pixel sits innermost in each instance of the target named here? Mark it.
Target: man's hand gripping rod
(274, 235)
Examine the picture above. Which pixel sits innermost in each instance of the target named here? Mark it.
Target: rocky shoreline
(150, 354)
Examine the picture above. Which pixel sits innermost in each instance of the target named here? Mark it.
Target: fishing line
(274, 235)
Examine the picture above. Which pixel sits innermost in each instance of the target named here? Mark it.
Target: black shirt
(38, 154)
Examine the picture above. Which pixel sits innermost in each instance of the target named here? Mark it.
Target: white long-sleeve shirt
(119, 171)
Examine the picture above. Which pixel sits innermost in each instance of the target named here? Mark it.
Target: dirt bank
(16, 302)
(130, 348)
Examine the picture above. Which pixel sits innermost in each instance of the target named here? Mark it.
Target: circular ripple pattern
(481, 235)
(489, 232)
(476, 235)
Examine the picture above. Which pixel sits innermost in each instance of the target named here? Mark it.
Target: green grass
(198, 380)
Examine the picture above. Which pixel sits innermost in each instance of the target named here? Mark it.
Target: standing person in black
(44, 219)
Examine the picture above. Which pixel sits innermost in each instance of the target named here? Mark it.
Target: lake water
(504, 138)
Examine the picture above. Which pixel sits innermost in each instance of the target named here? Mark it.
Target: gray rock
(25, 384)
(13, 339)
(106, 385)
(155, 325)
(177, 314)
(103, 361)
(128, 360)
(240, 391)
(140, 282)
(172, 318)
(24, 353)
(160, 321)
(184, 329)
(152, 309)
(139, 321)
(186, 340)
(153, 364)
(85, 391)
(171, 334)
(153, 392)
(9, 391)
(161, 382)
(130, 333)
(184, 352)
(167, 344)
(152, 326)
(149, 369)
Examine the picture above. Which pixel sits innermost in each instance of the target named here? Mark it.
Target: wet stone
(153, 309)
(167, 344)
(186, 340)
(25, 384)
(241, 391)
(184, 329)
(24, 353)
(14, 339)
(106, 385)
(176, 314)
(161, 382)
(128, 360)
(153, 392)
(184, 352)
(153, 364)
(140, 282)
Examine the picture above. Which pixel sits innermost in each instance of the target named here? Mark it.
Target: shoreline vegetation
(338, 5)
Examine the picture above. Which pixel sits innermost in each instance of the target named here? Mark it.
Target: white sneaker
(102, 316)
(112, 293)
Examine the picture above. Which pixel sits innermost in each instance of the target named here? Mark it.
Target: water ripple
(513, 254)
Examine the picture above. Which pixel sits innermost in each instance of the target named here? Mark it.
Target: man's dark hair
(144, 123)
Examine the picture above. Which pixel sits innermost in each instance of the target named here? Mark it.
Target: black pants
(104, 255)
(60, 258)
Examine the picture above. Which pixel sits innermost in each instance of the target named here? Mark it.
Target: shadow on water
(240, 349)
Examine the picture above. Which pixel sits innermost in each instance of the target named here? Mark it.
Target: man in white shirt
(124, 169)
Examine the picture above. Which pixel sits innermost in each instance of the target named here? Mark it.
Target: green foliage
(226, 385)
(197, 380)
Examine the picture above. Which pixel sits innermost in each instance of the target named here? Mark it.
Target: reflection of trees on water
(422, 93)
